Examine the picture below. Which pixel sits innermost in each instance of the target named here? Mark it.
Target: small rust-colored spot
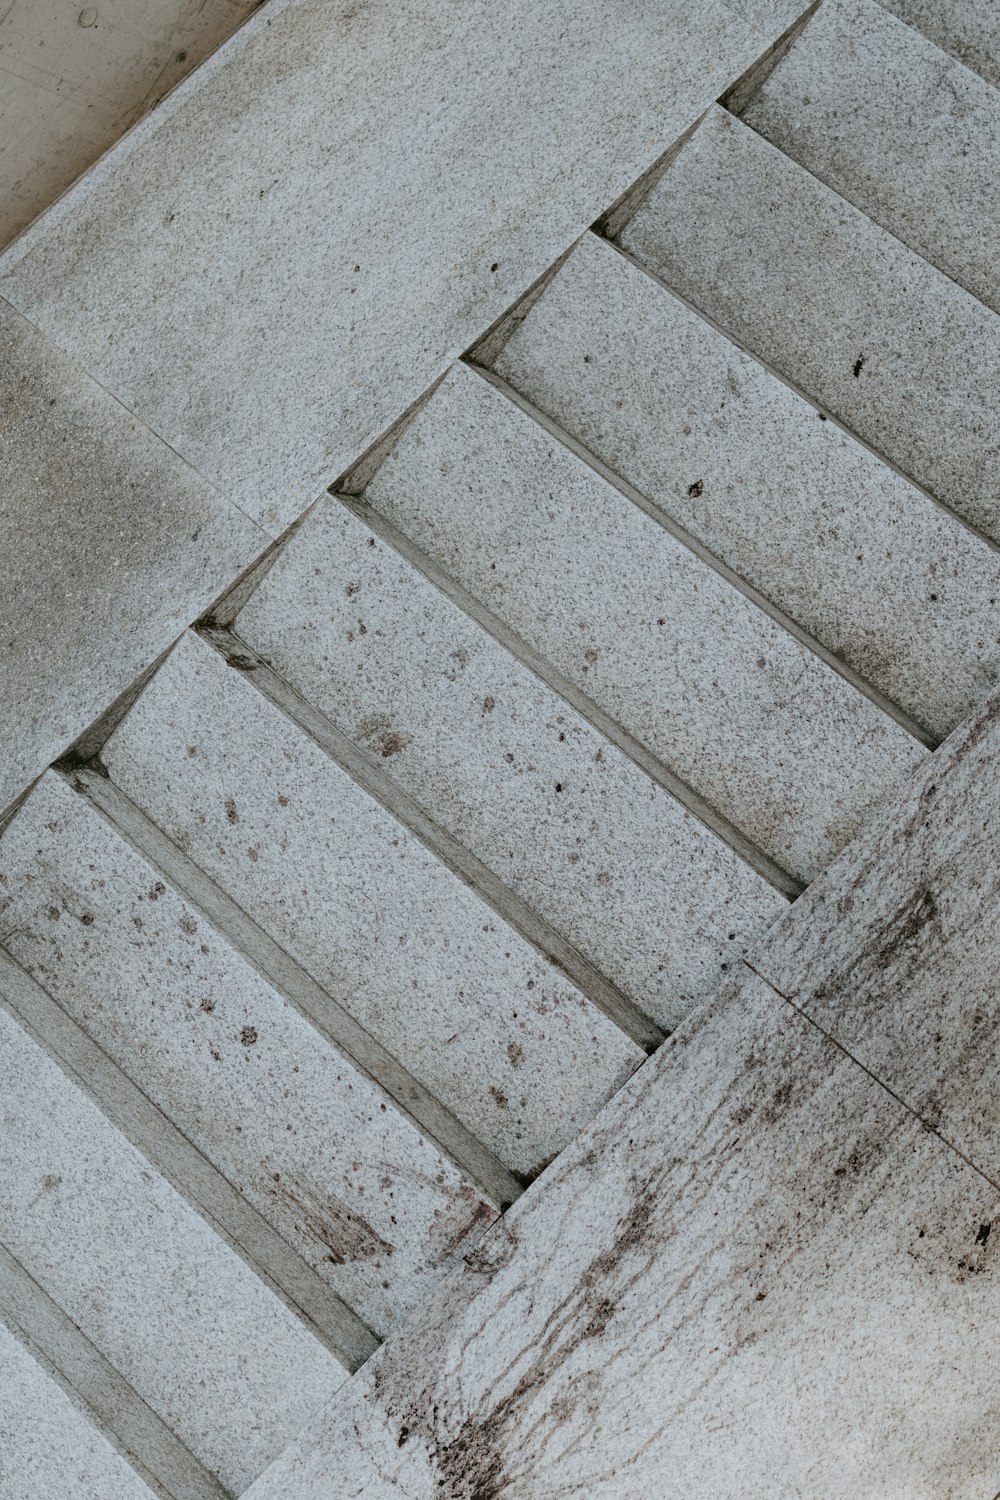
(87, 919)
(516, 1054)
(489, 704)
(392, 743)
(231, 812)
(498, 1096)
(248, 1036)
(157, 890)
(696, 489)
(208, 1005)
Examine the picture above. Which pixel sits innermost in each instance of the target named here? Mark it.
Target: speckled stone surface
(659, 903)
(755, 1274)
(111, 544)
(746, 715)
(274, 265)
(845, 102)
(970, 29)
(495, 1033)
(892, 347)
(315, 1147)
(214, 1353)
(871, 567)
(47, 1447)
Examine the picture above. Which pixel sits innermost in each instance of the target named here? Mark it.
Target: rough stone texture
(749, 718)
(111, 545)
(501, 1038)
(844, 102)
(311, 1143)
(891, 346)
(755, 1274)
(870, 566)
(225, 1364)
(895, 950)
(653, 898)
(74, 78)
(968, 28)
(283, 257)
(47, 1447)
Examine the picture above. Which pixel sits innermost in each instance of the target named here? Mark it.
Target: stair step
(481, 1020)
(229, 1369)
(746, 715)
(655, 900)
(969, 29)
(310, 1142)
(48, 1448)
(891, 346)
(834, 537)
(906, 134)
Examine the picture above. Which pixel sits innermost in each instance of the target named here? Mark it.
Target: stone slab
(477, 1016)
(47, 1446)
(281, 258)
(879, 114)
(968, 28)
(751, 720)
(661, 905)
(111, 545)
(871, 567)
(755, 1274)
(215, 1354)
(872, 333)
(313, 1145)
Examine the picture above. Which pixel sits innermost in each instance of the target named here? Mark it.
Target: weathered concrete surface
(110, 545)
(755, 1274)
(845, 102)
(871, 567)
(745, 714)
(225, 1364)
(73, 79)
(276, 263)
(968, 28)
(891, 346)
(477, 1016)
(47, 1447)
(308, 1140)
(654, 899)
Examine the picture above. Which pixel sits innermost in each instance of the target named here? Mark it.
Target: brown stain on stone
(346, 1235)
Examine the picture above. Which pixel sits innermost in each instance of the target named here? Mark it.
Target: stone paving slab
(968, 28)
(844, 102)
(111, 544)
(225, 1364)
(653, 898)
(375, 1209)
(47, 1447)
(870, 566)
(747, 716)
(491, 1029)
(872, 333)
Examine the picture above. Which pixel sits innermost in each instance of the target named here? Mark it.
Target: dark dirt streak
(346, 1235)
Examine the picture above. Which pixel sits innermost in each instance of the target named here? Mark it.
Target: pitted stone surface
(307, 1139)
(754, 722)
(872, 568)
(887, 343)
(193, 1330)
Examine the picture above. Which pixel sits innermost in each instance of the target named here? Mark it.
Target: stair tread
(897, 351)
(970, 29)
(748, 717)
(310, 1142)
(837, 539)
(495, 1033)
(195, 1333)
(897, 127)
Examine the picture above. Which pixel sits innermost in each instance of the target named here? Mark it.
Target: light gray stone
(375, 1209)
(968, 28)
(654, 899)
(755, 1274)
(495, 1033)
(47, 1447)
(880, 115)
(747, 716)
(895, 950)
(111, 545)
(871, 567)
(892, 347)
(275, 264)
(225, 1364)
